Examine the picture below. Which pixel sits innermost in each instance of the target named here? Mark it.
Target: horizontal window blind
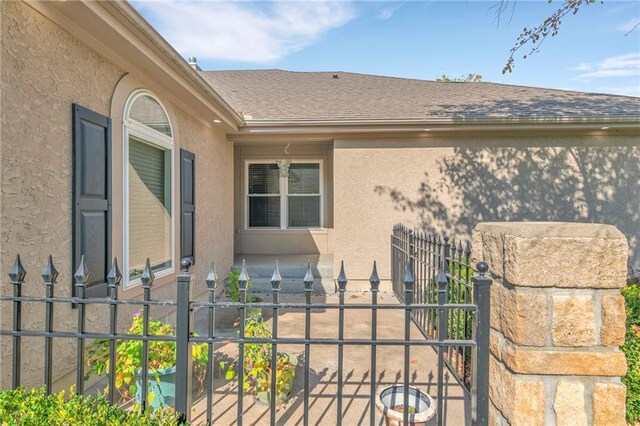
(148, 162)
(264, 211)
(149, 208)
(264, 179)
(304, 212)
(304, 178)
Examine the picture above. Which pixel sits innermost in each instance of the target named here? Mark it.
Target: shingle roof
(287, 95)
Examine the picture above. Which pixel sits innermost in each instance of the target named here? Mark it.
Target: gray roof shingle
(288, 95)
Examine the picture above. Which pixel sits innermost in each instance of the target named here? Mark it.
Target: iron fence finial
(114, 276)
(308, 278)
(212, 277)
(482, 267)
(185, 264)
(50, 273)
(276, 278)
(18, 273)
(243, 278)
(374, 279)
(342, 278)
(148, 277)
(82, 273)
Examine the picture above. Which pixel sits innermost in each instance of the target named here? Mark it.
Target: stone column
(557, 321)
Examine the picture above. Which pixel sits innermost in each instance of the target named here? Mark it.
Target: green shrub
(162, 355)
(233, 288)
(34, 408)
(631, 349)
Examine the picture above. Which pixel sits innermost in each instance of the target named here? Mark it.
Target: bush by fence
(631, 349)
(34, 407)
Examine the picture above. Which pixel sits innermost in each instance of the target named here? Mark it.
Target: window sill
(318, 231)
(137, 283)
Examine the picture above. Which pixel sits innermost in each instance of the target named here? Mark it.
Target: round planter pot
(265, 396)
(391, 397)
(164, 391)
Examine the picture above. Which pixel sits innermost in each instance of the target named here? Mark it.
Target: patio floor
(324, 367)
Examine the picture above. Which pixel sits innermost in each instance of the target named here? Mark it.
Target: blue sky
(416, 39)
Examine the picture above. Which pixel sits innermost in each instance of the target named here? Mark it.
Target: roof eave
(412, 127)
(115, 30)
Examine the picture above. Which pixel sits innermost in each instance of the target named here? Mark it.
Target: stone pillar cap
(551, 229)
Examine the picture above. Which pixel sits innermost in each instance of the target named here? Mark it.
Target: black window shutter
(92, 196)
(187, 205)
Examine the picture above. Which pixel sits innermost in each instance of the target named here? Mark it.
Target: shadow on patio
(324, 367)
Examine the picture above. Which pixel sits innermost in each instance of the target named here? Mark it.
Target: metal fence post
(147, 279)
(342, 286)
(212, 285)
(408, 300)
(49, 276)
(480, 357)
(443, 283)
(81, 277)
(16, 276)
(183, 347)
(113, 281)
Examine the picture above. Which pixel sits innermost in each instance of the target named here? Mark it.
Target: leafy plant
(162, 355)
(34, 408)
(233, 288)
(257, 363)
(631, 349)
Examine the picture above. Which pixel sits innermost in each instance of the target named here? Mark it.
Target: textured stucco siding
(449, 185)
(45, 70)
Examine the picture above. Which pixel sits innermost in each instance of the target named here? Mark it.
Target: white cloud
(387, 12)
(243, 31)
(615, 66)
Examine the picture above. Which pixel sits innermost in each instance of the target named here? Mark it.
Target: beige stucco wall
(44, 70)
(450, 184)
(288, 241)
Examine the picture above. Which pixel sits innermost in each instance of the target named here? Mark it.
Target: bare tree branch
(536, 36)
(632, 29)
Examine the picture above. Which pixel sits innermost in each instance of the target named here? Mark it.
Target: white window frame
(156, 139)
(284, 195)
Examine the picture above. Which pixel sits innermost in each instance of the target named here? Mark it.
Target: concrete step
(293, 269)
(292, 285)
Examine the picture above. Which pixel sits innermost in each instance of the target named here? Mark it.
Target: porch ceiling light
(215, 120)
(605, 128)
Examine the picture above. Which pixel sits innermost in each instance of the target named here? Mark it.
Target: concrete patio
(324, 367)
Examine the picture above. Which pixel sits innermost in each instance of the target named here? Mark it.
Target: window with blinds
(303, 198)
(149, 207)
(284, 200)
(264, 196)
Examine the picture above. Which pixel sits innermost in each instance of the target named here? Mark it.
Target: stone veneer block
(521, 402)
(555, 254)
(613, 320)
(557, 362)
(522, 317)
(609, 404)
(573, 321)
(568, 404)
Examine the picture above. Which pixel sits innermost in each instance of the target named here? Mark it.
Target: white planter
(393, 396)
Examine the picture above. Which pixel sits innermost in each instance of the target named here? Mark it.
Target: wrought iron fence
(184, 338)
(430, 254)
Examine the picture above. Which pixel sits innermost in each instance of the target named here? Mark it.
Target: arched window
(148, 188)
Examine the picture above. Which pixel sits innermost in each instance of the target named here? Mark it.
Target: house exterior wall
(288, 241)
(448, 185)
(45, 70)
